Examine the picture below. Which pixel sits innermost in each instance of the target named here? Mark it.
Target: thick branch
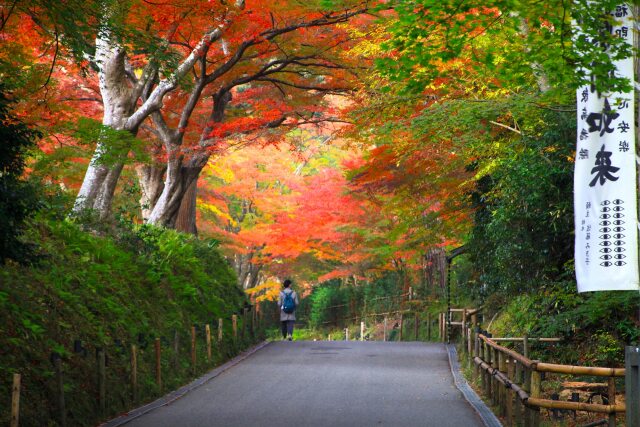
(154, 101)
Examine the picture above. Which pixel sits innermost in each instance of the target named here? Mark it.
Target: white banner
(606, 253)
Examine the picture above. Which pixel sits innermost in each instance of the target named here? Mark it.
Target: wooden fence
(513, 382)
(164, 363)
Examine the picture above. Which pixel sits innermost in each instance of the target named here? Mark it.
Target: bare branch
(304, 87)
(506, 127)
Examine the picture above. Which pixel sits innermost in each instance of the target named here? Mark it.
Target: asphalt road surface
(336, 383)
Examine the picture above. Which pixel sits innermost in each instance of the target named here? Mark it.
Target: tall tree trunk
(248, 273)
(186, 217)
(107, 190)
(151, 182)
(101, 178)
(178, 179)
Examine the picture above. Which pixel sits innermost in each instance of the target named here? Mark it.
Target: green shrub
(109, 292)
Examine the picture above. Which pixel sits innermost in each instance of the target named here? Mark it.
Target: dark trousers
(287, 327)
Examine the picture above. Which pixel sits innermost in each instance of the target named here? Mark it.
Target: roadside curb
(177, 394)
(488, 417)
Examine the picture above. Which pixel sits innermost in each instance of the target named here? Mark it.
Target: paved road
(335, 383)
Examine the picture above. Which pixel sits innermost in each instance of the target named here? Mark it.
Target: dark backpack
(288, 303)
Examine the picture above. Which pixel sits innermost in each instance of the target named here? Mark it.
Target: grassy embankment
(110, 290)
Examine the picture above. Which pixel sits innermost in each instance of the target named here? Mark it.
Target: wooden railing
(513, 382)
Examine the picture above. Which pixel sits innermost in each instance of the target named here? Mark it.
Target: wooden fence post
(15, 401)
(207, 329)
(612, 400)
(234, 325)
(416, 324)
(463, 329)
(219, 330)
(57, 363)
(193, 349)
(534, 387)
(259, 316)
(401, 325)
(536, 380)
(176, 350)
(487, 359)
(134, 373)
(502, 367)
(519, 408)
(526, 386)
(102, 382)
(384, 329)
(510, 394)
(525, 346)
(361, 331)
(429, 326)
(346, 334)
(632, 385)
(475, 354)
(253, 322)
(481, 372)
(158, 364)
(496, 384)
(244, 323)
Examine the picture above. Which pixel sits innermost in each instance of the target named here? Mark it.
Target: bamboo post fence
(130, 362)
(102, 381)
(234, 325)
(632, 384)
(62, 410)
(384, 329)
(15, 401)
(193, 348)
(158, 364)
(513, 382)
(134, 373)
(207, 329)
(176, 350)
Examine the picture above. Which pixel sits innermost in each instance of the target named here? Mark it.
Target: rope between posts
(373, 299)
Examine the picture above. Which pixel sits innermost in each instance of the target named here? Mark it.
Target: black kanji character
(600, 122)
(583, 115)
(624, 127)
(621, 11)
(603, 168)
(622, 104)
(623, 147)
(583, 154)
(622, 32)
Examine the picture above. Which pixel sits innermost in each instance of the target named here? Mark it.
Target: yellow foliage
(217, 169)
(271, 288)
(214, 209)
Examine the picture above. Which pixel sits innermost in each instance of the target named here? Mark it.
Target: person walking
(288, 302)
